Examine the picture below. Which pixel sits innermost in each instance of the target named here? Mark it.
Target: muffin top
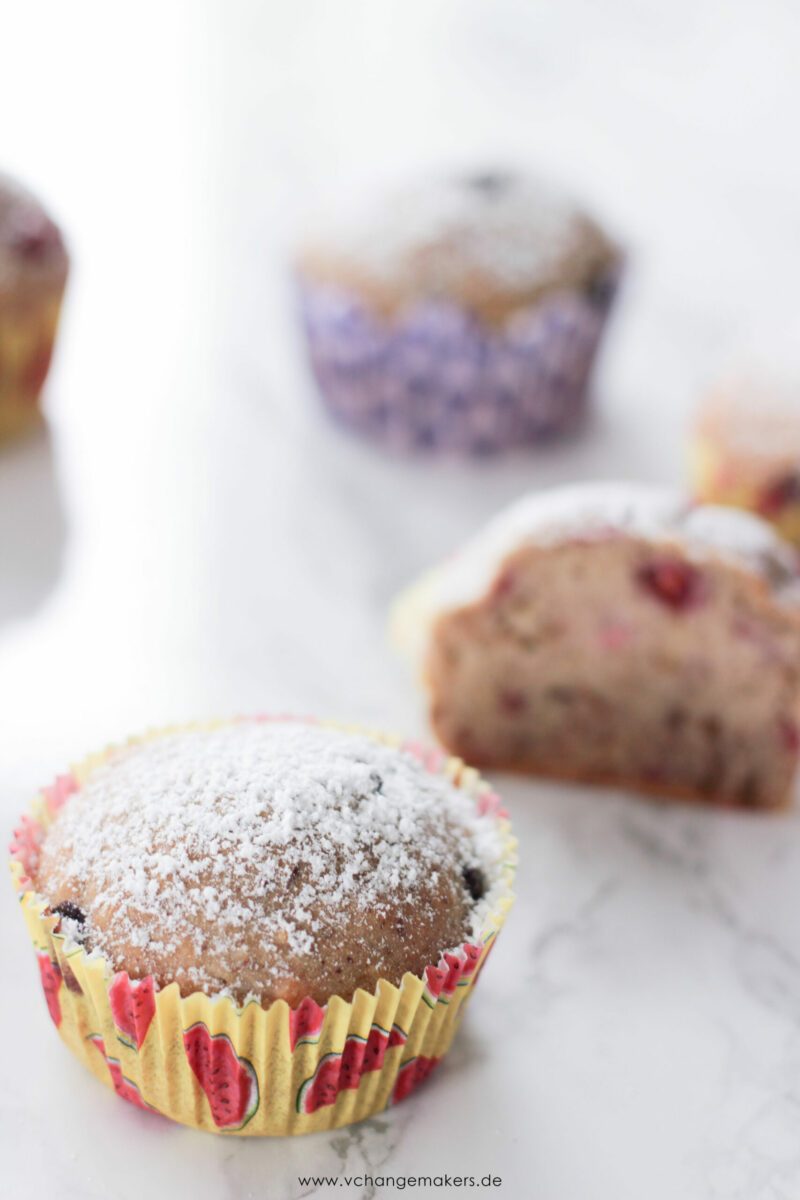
(586, 513)
(269, 860)
(32, 253)
(492, 241)
(754, 417)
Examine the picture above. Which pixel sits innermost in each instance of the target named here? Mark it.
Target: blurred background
(158, 547)
(190, 536)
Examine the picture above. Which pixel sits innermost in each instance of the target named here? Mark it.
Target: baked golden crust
(276, 860)
(491, 243)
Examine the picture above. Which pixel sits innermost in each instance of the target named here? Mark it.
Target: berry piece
(511, 701)
(503, 584)
(68, 908)
(474, 882)
(32, 234)
(779, 495)
(673, 582)
(789, 734)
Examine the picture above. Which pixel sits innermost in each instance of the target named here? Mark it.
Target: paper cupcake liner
(438, 379)
(211, 1065)
(27, 337)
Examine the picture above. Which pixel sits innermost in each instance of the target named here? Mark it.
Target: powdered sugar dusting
(593, 510)
(755, 416)
(513, 232)
(273, 829)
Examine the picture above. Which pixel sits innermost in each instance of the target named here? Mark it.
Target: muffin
(33, 273)
(264, 927)
(745, 449)
(612, 634)
(458, 315)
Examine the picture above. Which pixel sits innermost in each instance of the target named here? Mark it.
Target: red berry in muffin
(626, 650)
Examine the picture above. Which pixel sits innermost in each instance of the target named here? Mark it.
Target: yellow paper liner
(717, 477)
(287, 1071)
(27, 336)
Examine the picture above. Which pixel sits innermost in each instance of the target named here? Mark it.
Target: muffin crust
(268, 860)
(492, 242)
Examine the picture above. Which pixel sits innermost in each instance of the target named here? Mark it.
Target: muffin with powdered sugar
(458, 315)
(312, 896)
(745, 447)
(618, 634)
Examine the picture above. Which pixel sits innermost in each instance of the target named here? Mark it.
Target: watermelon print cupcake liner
(247, 1070)
(437, 379)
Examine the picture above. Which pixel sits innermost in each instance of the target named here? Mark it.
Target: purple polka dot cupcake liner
(437, 379)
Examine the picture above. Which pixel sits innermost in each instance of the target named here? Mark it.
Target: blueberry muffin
(33, 273)
(263, 904)
(460, 315)
(613, 634)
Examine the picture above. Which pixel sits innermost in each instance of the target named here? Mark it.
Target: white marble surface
(192, 539)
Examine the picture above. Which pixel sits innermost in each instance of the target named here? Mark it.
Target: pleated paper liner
(715, 482)
(437, 379)
(208, 1064)
(27, 336)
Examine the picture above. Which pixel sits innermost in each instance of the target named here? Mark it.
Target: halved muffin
(617, 634)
